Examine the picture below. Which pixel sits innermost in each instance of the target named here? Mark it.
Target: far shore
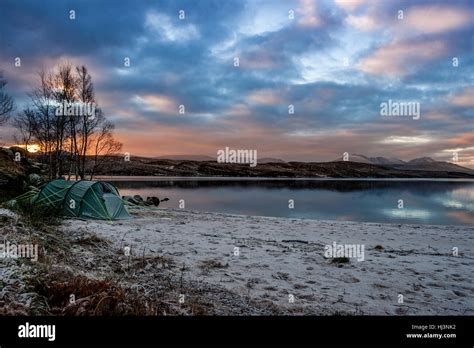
(224, 178)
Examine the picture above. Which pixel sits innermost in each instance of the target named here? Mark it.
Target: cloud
(402, 57)
(167, 30)
(465, 98)
(282, 61)
(265, 96)
(156, 103)
(462, 139)
(240, 110)
(407, 140)
(350, 5)
(259, 59)
(437, 19)
(365, 22)
(263, 17)
(307, 14)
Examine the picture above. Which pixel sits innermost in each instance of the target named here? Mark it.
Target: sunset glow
(228, 75)
(33, 148)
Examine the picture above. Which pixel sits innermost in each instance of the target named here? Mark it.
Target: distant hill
(205, 158)
(142, 166)
(422, 161)
(372, 160)
(423, 164)
(429, 164)
(187, 157)
(270, 160)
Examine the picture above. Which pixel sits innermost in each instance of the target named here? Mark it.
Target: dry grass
(210, 264)
(340, 260)
(94, 297)
(91, 239)
(13, 308)
(104, 281)
(38, 216)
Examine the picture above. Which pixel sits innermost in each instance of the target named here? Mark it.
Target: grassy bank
(79, 273)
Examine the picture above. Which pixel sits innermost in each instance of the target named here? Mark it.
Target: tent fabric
(86, 199)
(53, 193)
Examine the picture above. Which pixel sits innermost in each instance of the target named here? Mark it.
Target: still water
(443, 202)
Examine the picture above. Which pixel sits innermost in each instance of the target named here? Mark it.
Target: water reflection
(406, 213)
(428, 202)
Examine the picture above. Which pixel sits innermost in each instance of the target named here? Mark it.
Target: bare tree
(6, 102)
(105, 146)
(64, 137)
(87, 124)
(64, 91)
(24, 125)
(42, 122)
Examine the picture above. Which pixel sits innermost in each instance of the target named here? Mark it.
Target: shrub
(340, 260)
(38, 215)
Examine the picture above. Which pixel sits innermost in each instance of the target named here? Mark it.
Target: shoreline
(279, 257)
(223, 178)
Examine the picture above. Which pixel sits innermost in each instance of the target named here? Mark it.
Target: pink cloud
(258, 59)
(365, 22)
(436, 19)
(399, 58)
(307, 14)
(240, 110)
(350, 5)
(464, 139)
(157, 102)
(465, 98)
(265, 96)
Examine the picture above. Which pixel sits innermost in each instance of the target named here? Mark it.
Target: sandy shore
(282, 260)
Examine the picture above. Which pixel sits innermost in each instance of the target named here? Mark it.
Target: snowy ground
(282, 260)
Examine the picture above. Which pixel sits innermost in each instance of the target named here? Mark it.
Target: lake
(440, 202)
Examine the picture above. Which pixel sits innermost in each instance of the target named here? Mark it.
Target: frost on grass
(184, 263)
(81, 273)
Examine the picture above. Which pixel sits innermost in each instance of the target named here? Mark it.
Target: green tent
(84, 199)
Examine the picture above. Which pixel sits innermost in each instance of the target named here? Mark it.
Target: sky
(333, 62)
